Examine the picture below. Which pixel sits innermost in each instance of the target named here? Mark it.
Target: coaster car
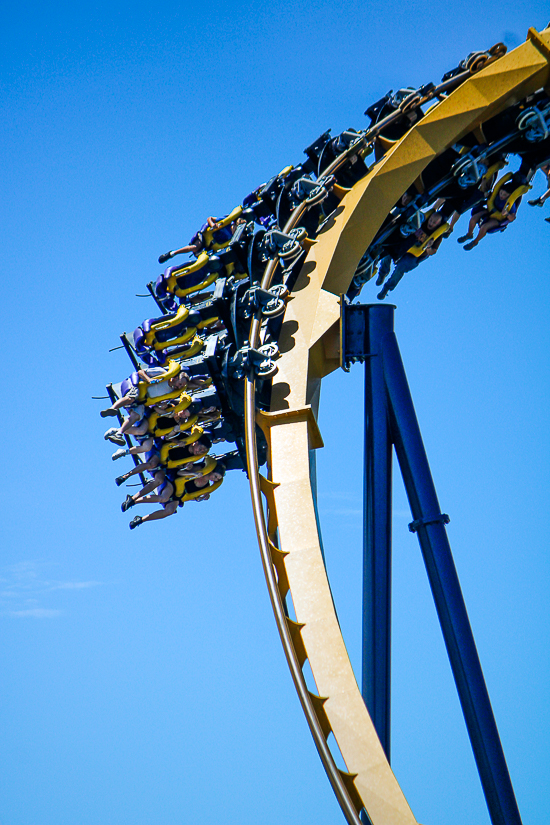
(177, 328)
(401, 109)
(175, 454)
(161, 358)
(314, 150)
(503, 130)
(534, 123)
(189, 277)
(183, 495)
(419, 249)
(157, 421)
(476, 61)
(354, 168)
(219, 236)
(518, 192)
(173, 369)
(198, 469)
(314, 198)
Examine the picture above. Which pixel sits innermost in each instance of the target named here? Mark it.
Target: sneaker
(127, 503)
(468, 246)
(135, 522)
(536, 202)
(120, 480)
(380, 279)
(113, 436)
(547, 220)
(464, 238)
(108, 413)
(119, 454)
(381, 295)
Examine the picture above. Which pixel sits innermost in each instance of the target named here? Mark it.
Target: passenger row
(174, 429)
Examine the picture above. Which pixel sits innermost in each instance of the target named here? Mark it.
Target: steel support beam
(429, 524)
(377, 506)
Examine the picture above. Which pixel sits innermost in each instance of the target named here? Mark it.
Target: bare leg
(149, 487)
(128, 423)
(454, 218)
(125, 401)
(144, 447)
(142, 468)
(194, 249)
(154, 499)
(484, 228)
(140, 430)
(164, 513)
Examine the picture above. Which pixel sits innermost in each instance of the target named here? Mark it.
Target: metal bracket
(259, 361)
(442, 518)
(270, 302)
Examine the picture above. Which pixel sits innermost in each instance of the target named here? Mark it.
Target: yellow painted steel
(287, 532)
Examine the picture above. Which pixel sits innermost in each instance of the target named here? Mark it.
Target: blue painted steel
(447, 593)
(377, 502)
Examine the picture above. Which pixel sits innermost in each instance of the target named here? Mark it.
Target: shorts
(151, 454)
(167, 480)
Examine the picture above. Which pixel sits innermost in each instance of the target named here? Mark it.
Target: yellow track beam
(307, 342)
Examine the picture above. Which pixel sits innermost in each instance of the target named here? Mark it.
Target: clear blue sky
(142, 679)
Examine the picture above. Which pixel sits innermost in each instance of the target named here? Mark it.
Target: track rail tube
(332, 771)
(447, 594)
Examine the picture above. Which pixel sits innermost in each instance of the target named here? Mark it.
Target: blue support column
(429, 524)
(377, 504)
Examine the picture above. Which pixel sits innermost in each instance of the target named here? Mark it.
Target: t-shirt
(157, 390)
(178, 453)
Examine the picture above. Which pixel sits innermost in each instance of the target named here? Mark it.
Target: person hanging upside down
(138, 426)
(167, 495)
(493, 217)
(151, 376)
(157, 388)
(151, 447)
(196, 244)
(545, 169)
(427, 244)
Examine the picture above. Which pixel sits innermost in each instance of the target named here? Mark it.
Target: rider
(170, 500)
(409, 261)
(495, 218)
(196, 244)
(545, 169)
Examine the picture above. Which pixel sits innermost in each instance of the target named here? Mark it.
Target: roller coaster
(263, 310)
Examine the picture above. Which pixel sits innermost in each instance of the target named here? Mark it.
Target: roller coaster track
(285, 518)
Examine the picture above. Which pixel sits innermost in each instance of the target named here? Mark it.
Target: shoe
(468, 246)
(547, 220)
(113, 436)
(464, 238)
(127, 503)
(119, 454)
(108, 413)
(120, 480)
(380, 280)
(536, 202)
(381, 295)
(165, 257)
(135, 522)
